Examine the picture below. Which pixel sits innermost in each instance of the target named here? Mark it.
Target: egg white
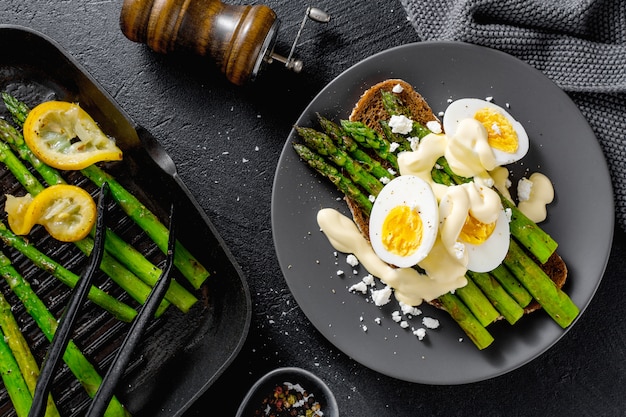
(467, 107)
(411, 191)
(490, 254)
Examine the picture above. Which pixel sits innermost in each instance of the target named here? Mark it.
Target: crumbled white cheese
(359, 287)
(381, 297)
(377, 320)
(408, 309)
(420, 333)
(340, 272)
(509, 213)
(369, 279)
(414, 142)
(391, 171)
(434, 126)
(400, 124)
(371, 198)
(352, 260)
(524, 188)
(395, 316)
(385, 180)
(489, 98)
(397, 89)
(430, 322)
(404, 324)
(393, 146)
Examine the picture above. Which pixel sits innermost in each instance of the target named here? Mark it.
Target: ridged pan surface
(181, 354)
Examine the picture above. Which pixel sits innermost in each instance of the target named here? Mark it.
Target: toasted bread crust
(369, 110)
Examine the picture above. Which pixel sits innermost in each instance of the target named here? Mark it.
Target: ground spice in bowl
(289, 400)
(289, 392)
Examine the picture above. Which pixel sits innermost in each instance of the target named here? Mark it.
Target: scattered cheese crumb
(489, 98)
(400, 124)
(420, 333)
(359, 287)
(369, 279)
(340, 272)
(377, 320)
(395, 316)
(408, 309)
(404, 324)
(371, 198)
(393, 146)
(430, 322)
(434, 126)
(352, 260)
(509, 214)
(391, 171)
(397, 89)
(524, 188)
(385, 180)
(381, 297)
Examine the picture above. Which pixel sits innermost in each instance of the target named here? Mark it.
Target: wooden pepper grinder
(239, 39)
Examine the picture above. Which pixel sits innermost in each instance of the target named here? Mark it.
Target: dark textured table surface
(226, 141)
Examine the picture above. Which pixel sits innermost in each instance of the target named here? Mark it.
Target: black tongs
(116, 370)
(63, 333)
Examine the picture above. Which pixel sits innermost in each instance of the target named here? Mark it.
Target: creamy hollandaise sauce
(473, 226)
(410, 286)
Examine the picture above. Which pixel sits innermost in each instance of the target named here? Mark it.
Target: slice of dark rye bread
(370, 110)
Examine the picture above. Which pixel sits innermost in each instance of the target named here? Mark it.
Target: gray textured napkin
(579, 44)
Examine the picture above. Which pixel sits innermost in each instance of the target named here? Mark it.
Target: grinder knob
(238, 38)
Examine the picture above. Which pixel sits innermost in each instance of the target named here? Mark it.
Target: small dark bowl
(310, 382)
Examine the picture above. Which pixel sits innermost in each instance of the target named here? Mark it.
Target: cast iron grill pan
(181, 354)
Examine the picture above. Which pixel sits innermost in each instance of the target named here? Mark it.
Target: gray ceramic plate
(560, 140)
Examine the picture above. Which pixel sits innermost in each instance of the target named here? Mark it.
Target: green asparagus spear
(186, 263)
(477, 302)
(466, 320)
(512, 285)
(553, 300)
(22, 354)
(497, 295)
(120, 310)
(370, 139)
(122, 276)
(343, 141)
(323, 145)
(342, 183)
(18, 110)
(82, 369)
(529, 235)
(14, 380)
(122, 251)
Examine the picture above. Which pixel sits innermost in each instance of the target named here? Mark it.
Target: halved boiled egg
(486, 251)
(505, 135)
(404, 221)
(474, 227)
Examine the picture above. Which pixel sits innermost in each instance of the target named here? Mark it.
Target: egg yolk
(402, 231)
(501, 134)
(476, 232)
